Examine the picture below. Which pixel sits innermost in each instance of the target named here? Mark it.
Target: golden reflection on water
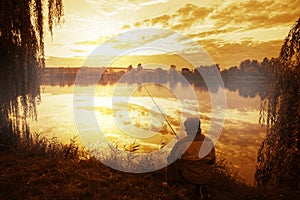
(239, 142)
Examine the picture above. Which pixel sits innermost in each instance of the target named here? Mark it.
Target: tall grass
(40, 168)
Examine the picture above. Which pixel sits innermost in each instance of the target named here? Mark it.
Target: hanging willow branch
(279, 155)
(22, 55)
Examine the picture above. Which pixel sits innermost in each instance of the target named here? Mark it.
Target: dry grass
(46, 169)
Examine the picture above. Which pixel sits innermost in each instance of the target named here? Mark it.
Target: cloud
(79, 50)
(182, 19)
(224, 53)
(141, 39)
(214, 32)
(150, 2)
(190, 14)
(100, 40)
(126, 26)
(221, 18)
(236, 30)
(229, 54)
(163, 19)
(137, 24)
(256, 14)
(110, 7)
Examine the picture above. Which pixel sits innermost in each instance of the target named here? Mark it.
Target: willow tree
(279, 155)
(22, 57)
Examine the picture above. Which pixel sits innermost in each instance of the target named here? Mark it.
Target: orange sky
(230, 31)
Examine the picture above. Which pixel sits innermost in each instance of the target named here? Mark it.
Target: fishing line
(160, 111)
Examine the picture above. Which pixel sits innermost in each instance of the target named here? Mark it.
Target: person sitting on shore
(192, 166)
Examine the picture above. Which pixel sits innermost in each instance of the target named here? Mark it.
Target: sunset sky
(230, 31)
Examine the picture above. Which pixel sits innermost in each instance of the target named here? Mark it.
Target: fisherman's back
(191, 166)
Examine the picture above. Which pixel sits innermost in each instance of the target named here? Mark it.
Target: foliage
(40, 168)
(22, 57)
(279, 156)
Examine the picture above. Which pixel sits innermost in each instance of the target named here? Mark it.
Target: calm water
(238, 144)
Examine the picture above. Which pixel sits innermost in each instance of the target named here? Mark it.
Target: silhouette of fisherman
(191, 166)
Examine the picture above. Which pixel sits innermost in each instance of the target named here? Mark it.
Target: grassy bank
(46, 169)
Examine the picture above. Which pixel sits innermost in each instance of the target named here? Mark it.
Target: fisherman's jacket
(195, 157)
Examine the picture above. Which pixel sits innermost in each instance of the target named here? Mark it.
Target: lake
(141, 118)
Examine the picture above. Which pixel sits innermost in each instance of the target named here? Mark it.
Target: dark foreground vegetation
(46, 169)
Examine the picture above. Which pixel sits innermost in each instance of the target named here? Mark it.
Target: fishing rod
(160, 111)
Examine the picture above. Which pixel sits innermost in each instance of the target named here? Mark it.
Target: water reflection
(239, 142)
(247, 84)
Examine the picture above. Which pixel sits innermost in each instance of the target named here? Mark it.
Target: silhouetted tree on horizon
(22, 57)
(279, 155)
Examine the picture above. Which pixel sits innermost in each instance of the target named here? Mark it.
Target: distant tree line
(249, 78)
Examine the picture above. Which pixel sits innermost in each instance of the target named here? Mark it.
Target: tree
(22, 57)
(279, 155)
